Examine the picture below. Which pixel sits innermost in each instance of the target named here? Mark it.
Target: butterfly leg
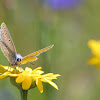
(19, 67)
(9, 68)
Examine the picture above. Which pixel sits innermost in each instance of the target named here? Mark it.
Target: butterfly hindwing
(8, 53)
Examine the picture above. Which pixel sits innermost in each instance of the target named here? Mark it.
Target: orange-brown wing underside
(32, 57)
(28, 59)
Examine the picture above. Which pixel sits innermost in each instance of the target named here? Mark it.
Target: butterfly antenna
(32, 63)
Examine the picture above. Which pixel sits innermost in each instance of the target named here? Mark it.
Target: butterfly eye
(18, 59)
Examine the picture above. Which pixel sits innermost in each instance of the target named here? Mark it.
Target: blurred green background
(35, 24)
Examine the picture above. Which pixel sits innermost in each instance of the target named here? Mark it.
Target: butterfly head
(18, 58)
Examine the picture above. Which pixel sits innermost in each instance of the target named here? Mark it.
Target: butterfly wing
(33, 56)
(28, 59)
(8, 53)
(7, 44)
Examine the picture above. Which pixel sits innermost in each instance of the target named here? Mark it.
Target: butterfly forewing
(7, 44)
(5, 37)
(32, 57)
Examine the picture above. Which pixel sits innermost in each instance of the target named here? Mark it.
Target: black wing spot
(9, 40)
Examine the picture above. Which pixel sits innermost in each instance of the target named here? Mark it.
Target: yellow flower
(95, 48)
(28, 78)
(6, 71)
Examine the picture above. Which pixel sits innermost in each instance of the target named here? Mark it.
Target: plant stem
(23, 94)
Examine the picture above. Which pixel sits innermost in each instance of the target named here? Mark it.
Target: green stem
(23, 94)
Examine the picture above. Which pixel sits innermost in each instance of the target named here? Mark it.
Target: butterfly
(9, 50)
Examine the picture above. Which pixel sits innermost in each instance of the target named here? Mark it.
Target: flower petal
(3, 76)
(39, 85)
(19, 69)
(20, 78)
(39, 72)
(1, 66)
(2, 71)
(26, 83)
(94, 61)
(28, 69)
(7, 68)
(13, 75)
(36, 69)
(95, 47)
(52, 83)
